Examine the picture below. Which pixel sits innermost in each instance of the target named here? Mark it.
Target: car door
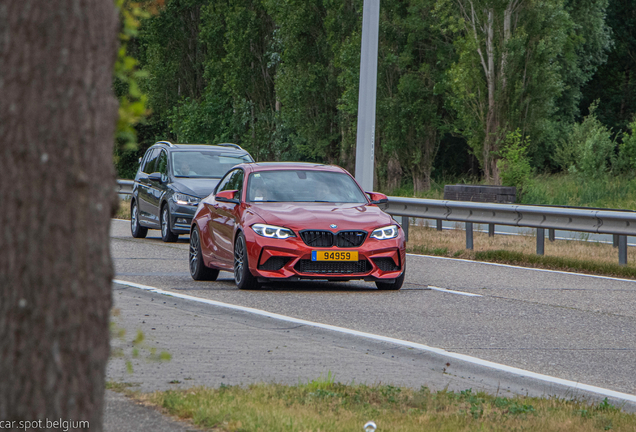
(145, 187)
(156, 189)
(225, 217)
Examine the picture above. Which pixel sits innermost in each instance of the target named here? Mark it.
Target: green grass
(325, 405)
(553, 189)
(574, 190)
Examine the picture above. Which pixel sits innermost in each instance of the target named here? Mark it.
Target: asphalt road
(574, 327)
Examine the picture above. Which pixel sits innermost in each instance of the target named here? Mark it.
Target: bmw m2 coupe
(289, 221)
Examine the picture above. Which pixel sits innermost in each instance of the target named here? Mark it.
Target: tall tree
(57, 122)
(516, 59)
(411, 116)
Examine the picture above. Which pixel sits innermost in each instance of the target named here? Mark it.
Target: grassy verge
(567, 255)
(123, 211)
(327, 406)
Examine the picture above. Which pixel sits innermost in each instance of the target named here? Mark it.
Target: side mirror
(377, 198)
(155, 176)
(227, 196)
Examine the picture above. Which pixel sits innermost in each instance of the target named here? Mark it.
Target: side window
(150, 162)
(162, 164)
(224, 182)
(232, 181)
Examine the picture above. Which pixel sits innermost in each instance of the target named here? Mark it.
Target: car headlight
(385, 233)
(272, 231)
(184, 199)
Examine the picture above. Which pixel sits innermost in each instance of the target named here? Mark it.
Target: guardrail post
(439, 224)
(540, 241)
(491, 230)
(405, 227)
(615, 240)
(551, 234)
(469, 235)
(622, 250)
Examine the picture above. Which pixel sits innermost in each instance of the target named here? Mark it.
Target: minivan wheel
(198, 270)
(166, 234)
(136, 230)
(242, 275)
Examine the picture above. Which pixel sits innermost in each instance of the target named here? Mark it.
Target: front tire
(198, 270)
(136, 230)
(242, 275)
(166, 234)
(391, 286)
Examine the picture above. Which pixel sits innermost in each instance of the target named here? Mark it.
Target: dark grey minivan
(172, 179)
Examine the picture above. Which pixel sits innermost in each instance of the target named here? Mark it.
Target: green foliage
(625, 163)
(514, 165)
(280, 78)
(132, 101)
(588, 149)
(569, 190)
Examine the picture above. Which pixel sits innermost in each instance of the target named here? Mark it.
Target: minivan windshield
(303, 186)
(205, 164)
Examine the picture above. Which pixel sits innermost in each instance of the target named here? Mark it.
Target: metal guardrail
(618, 223)
(124, 187)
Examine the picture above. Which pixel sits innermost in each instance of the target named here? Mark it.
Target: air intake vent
(386, 264)
(333, 267)
(274, 263)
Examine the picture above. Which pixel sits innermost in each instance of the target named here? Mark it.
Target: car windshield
(207, 164)
(303, 186)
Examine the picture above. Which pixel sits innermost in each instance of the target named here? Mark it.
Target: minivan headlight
(385, 233)
(183, 199)
(272, 231)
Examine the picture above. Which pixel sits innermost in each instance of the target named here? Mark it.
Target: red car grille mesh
(333, 267)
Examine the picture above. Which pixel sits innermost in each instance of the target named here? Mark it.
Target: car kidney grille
(343, 239)
(317, 238)
(346, 239)
(274, 263)
(386, 264)
(333, 267)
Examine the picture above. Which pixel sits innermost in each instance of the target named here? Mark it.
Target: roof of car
(220, 146)
(272, 166)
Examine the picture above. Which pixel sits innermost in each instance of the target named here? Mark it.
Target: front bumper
(181, 217)
(290, 259)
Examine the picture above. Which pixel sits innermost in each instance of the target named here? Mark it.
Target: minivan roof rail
(165, 142)
(230, 145)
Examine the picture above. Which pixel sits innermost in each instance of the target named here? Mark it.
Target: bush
(514, 165)
(626, 160)
(588, 148)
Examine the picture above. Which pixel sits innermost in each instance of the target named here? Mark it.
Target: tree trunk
(57, 122)
(393, 173)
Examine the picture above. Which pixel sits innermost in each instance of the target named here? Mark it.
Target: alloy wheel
(164, 222)
(194, 251)
(238, 260)
(133, 216)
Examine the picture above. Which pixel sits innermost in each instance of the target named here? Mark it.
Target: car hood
(319, 216)
(199, 187)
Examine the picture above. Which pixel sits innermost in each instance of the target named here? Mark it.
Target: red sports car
(290, 221)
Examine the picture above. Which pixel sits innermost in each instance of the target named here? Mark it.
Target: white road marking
(454, 292)
(421, 347)
(524, 268)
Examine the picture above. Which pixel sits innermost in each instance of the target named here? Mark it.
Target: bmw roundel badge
(333, 226)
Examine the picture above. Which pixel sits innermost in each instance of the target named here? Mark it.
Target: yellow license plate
(334, 256)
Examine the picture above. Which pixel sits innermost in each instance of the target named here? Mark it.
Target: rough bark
(57, 121)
